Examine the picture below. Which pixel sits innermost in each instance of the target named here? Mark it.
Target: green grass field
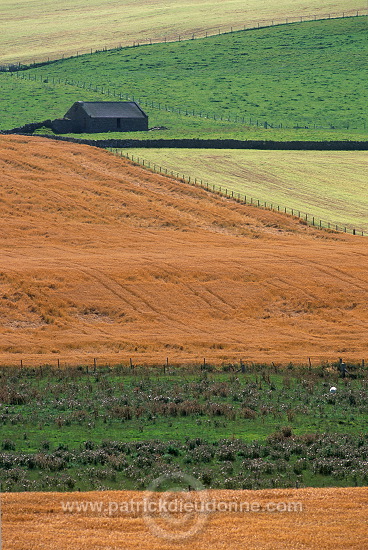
(63, 429)
(41, 100)
(329, 185)
(34, 30)
(305, 75)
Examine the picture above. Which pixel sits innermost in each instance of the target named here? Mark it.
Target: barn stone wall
(102, 125)
(82, 123)
(62, 126)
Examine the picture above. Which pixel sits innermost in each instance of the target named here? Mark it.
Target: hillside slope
(35, 30)
(100, 258)
(308, 75)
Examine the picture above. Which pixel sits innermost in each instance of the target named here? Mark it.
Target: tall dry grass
(100, 257)
(329, 519)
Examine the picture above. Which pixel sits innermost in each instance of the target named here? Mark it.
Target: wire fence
(226, 191)
(190, 35)
(166, 365)
(182, 111)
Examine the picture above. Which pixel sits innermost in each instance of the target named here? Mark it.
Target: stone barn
(102, 116)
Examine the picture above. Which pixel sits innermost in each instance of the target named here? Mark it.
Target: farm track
(102, 258)
(119, 290)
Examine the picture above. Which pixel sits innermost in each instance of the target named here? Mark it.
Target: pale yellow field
(326, 519)
(34, 30)
(331, 185)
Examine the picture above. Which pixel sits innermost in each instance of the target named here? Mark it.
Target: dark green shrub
(8, 445)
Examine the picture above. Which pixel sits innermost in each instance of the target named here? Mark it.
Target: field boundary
(100, 364)
(190, 35)
(226, 191)
(197, 143)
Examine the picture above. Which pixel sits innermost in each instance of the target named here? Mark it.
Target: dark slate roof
(112, 109)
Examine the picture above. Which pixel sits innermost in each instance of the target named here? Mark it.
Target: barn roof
(112, 109)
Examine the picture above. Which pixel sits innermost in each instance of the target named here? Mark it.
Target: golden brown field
(34, 30)
(101, 258)
(329, 519)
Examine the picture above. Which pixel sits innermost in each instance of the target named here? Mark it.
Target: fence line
(242, 198)
(131, 366)
(237, 119)
(190, 35)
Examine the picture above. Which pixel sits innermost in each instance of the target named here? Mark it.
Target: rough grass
(332, 519)
(103, 258)
(68, 428)
(34, 30)
(329, 185)
(302, 75)
(30, 100)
